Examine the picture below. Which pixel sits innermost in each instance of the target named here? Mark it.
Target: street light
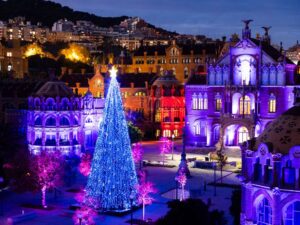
(173, 136)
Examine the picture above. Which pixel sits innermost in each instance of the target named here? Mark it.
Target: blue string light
(113, 177)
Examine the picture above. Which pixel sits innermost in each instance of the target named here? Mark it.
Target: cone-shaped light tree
(112, 179)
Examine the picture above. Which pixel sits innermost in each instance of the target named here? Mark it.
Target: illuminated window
(200, 128)
(140, 93)
(243, 135)
(272, 103)
(195, 101)
(200, 101)
(245, 108)
(218, 102)
(264, 213)
(157, 133)
(9, 54)
(175, 132)
(205, 101)
(167, 133)
(158, 116)
(9, 67)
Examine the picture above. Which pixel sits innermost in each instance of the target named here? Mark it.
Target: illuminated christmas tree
(112, 179)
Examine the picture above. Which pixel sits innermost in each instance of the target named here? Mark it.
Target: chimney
(146, 85)
(83, 70)
(131, 85)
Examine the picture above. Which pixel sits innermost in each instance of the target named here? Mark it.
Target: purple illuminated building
(245, 89)
(271, 172)
(60, 120)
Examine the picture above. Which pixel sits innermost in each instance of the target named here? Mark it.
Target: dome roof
(283, 133)
(54, 89)
(168, 79)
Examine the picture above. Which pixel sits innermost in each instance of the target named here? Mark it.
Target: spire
(246, 30)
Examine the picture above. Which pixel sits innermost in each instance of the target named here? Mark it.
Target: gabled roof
(271, 51)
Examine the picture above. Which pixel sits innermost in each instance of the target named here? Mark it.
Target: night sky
(213, 18)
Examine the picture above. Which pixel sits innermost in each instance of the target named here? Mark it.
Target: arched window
(291, 216)
(75, 122)
(65, 104)
(64, 121)
(243, 134)
(205, 101)
(245, 103)
(50, 122)
(272, 103)
(194, 101)
(264, 212)
(50, 104)
(200, 128)
(38, 121)
(216, 134)
(37, 104)
(158, 115)
(218, 102)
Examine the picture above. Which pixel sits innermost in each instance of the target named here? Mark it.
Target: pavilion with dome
(58, 119)
(271, 172)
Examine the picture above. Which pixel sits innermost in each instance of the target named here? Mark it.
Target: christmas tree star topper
(113, 72)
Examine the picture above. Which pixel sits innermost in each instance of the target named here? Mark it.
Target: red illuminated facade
(167, 106)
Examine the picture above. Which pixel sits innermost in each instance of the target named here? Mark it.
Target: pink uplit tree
(144, 189)
(48, 167)
(181, 179)
(165, 147)
(84, 215)
(137, 153)
(85, 164)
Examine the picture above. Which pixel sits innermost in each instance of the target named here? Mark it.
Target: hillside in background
(48, 12)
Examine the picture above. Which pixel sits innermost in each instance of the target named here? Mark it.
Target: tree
(235, 208)
(85, 164)
(113, 177)
(144, 189)
(137, 153)
(191, 212)
(181, 179)
(222, 159)
(48, 167)
(165, 147)
(135, 133)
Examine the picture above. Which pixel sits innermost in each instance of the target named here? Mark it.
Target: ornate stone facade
(57, 119)
(271, 178)
(245, 89)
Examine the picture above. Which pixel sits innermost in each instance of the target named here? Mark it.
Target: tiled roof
(271, 51)
(283, 133)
